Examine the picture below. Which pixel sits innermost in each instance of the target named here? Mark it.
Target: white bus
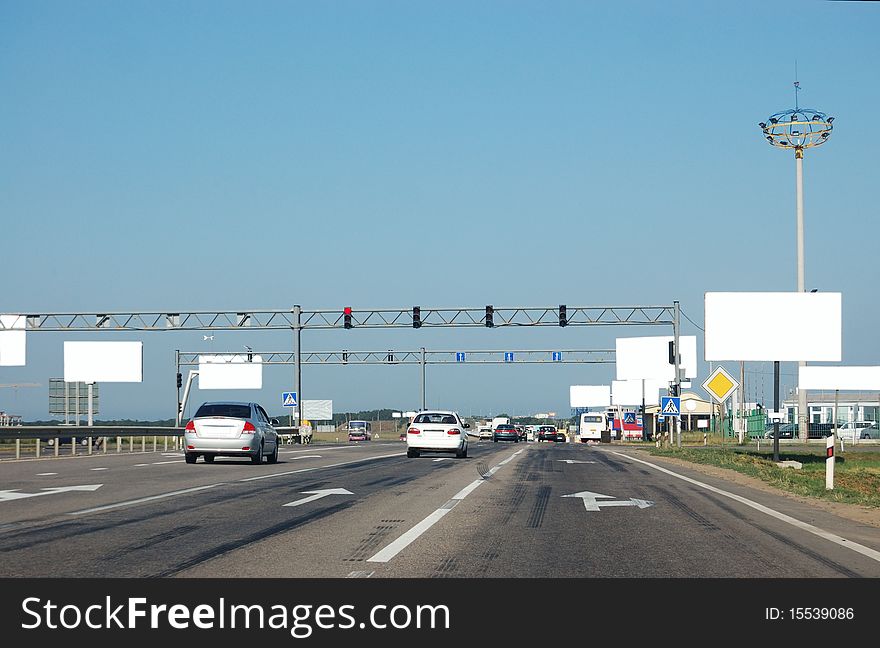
(591, 426)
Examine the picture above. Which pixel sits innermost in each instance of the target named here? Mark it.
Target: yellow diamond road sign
(720, 384)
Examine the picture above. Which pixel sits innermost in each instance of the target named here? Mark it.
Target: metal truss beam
(334, 319)
(344, 357)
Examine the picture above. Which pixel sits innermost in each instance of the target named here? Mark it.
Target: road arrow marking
(9, 495)
(318, 494)
(591, 503)
(574, 461)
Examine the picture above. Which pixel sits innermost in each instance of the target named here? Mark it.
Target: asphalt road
(509, 510)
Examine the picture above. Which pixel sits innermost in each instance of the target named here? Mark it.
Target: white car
(437, 431)
(854, 430)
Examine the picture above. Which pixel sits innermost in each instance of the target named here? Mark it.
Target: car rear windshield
(505, 426)
(224, 409)
(548, 428)
(440, 419)
(358, 424)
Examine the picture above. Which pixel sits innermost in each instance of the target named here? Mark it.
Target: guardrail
(95, 437)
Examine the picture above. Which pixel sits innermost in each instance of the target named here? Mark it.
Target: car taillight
(414, 431)
(190, 427)
(248, 428)
(453, 431)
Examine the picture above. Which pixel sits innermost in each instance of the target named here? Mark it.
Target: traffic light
(344, 356)
(179, 380)
(346, 317)
(490, 312)
(417, 317)
(563, 315)
(671, 352)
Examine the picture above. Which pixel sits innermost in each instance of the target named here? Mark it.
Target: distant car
(853, 429)
(547, 433)
(505, 432)
(521, 430)
(402, 436)
(485, 433)
(561, 436)
(231, 429)
(786, 431)
(870, 432)
(437, 431)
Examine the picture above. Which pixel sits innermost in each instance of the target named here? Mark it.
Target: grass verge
(856, 475)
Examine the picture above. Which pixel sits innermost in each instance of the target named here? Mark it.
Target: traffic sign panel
(557, 356)
(508, 356)
(288, 399)
(720, 384)
(670, 406)
(459, 356)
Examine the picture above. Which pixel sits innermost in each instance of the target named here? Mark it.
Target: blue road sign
(670, 406)
(508, 356)
(629, 417)
(288, 399)
(459, 356)
(557, 356)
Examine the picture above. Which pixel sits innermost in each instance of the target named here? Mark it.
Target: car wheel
(257, 459)
(208, 458)
(273, 458)
(461, 454)
(495, 439)
(190, 457)
(412, 454)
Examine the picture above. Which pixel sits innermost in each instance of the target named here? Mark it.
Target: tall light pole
(798, 129)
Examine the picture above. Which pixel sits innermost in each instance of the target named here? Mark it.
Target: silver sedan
(231, 429)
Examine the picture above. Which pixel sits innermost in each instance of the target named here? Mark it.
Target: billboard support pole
(776, 409)
(676, 325)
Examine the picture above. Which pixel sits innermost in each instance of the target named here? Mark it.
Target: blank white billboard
(852, 378)
(230, 371)
(770, 326)
(12, 340)
(103, 362)
(629, 392)
(590, 395)
(648, 357)
(317, 410)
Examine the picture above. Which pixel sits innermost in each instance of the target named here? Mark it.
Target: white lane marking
(15, 494)
(409, 537)
(401, 543)
(139, 465)
(306, 457)
(97, 469)
(360, 574)
(45, 474)
(141, 500)
(843, 542)
(302, 470)
(467, 490)
(172, 454)
(318, 494)
(162, 463)
(442, 459)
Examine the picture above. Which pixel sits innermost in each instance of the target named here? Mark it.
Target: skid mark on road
(536, 517)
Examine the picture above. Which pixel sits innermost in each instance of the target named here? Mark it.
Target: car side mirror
(274, 421)
(466, 425)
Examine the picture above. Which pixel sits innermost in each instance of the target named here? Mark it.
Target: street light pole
(799, 129)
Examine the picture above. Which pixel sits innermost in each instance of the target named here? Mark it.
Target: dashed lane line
(401, 543)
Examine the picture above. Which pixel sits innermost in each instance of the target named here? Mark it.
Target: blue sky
(225, 155)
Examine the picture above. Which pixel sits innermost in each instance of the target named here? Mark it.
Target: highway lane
(501, 512)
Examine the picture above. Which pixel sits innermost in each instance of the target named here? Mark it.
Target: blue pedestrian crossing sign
(508, 356)
(629, 417)
(288, 399)
(557, 356)
(459, 356)
(670, 406)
